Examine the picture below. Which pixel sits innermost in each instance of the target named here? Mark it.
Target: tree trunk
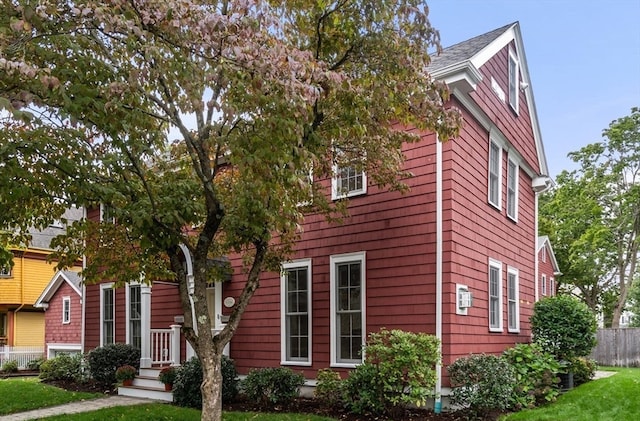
(211, 383)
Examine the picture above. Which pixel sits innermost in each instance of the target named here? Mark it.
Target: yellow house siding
(29, 329)
(10, 287)
(37, 274)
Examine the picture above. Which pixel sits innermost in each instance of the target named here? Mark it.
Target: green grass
(166, 412)
(613, 398)
(27, 393)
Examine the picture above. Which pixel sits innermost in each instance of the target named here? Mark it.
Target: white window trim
(516, 189)
(66, 301)
(543, 281)
(514, 97)
(497, 265)
(335, 194)
(295, 264)
(499, 204)
(102, 288)
(6, 271)
(333, 260)
(552, 287)
(513, 271)
(103, 210)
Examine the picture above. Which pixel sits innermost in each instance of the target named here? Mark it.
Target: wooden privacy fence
(618, 347)
(21, 354)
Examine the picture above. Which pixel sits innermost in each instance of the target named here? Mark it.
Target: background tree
(593, 218)
(198, 123)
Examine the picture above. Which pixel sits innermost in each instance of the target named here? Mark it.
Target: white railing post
(175, 344)
(145, 340)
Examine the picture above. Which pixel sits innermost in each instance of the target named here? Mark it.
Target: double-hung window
(107, 314)
(512, 190)
(513, 300)
(66, 310)
(347, 182)
(543, 285)
(134, 309)
(5, 271)
(495, 296)
(514, 80)
(347, 278)
(495, 173)
(295, 289)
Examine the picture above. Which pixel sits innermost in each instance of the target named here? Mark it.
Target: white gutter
(84, 290)
(438, 391)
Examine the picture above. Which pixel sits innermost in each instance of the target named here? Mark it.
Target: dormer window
(514, 80)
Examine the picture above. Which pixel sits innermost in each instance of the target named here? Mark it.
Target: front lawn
(27, 393)
(611, 398)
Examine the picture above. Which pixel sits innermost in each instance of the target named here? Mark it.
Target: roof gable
(459, 67)
(70, 277)
(544, 241)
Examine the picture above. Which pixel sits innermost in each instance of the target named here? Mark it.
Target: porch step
(147, 385)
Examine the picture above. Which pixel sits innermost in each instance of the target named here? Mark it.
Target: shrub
(483, 383)
(10, 366)
(35, 364)
(104, 361)
(186, 386)
(272, 386)
(399, 370)
(535, 372)
(63, 367)
(329, 387)
(563, 326)
(583, 370)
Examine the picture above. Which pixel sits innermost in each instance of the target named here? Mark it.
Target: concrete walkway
(75, 407)
(602, 374)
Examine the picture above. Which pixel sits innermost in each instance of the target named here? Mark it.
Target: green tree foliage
(593, 218)
(198, 123)
(563, 326)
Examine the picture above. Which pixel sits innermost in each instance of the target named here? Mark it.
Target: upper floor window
(5, 271)
(107, 214)
(543, 254)
(495, 173)
(514, 80)
(512, 190)
(296, 312)
(66, 310)
(348, 182)
(495, 296)
(347, 281)
(543, 285)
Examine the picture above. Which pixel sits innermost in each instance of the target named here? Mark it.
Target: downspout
(438, 391)
(537, 248)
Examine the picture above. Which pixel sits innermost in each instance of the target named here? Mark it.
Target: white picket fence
(22, 354)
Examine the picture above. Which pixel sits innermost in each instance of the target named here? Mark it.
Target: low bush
(329, 388)
(62, 367)
(104, 361)
(186, 386)
(583, 370)
(535, 372)
(272, 386)
(399, 370)
(35, 364)
(483, 383)
(10, 366)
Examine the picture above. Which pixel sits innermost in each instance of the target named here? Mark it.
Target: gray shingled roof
(73, 277)
(465, 50)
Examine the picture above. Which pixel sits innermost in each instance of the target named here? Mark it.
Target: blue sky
(583, 58)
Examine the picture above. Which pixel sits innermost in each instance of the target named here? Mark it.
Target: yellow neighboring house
(21, 324)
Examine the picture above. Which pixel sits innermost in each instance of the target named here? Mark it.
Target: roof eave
(463, 76)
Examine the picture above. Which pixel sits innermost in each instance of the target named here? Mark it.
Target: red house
(456, 256)
(548, 268)
(62, 302)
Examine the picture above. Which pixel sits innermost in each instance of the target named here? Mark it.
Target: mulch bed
(301, 405)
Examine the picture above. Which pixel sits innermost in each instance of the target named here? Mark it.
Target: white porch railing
(165, 346)
(21, 354)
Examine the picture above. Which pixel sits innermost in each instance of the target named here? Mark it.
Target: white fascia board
(484, 55)
(463, 76)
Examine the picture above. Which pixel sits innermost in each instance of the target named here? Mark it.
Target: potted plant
(167, 376)
(126, 374)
